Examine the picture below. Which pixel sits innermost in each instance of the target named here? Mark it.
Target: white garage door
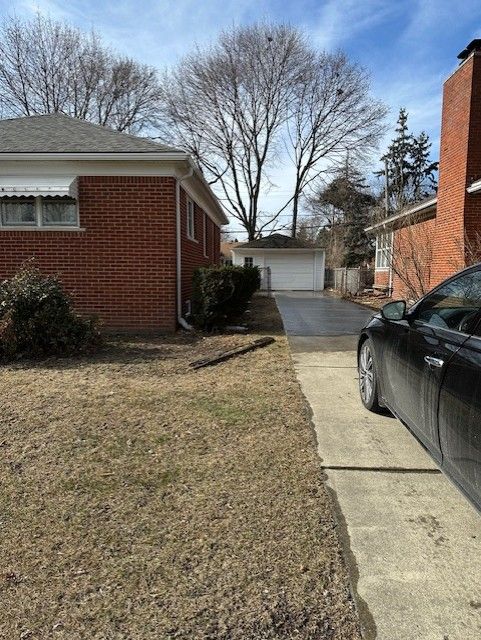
(291, 272)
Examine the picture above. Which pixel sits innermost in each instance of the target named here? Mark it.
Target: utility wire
(314, 226)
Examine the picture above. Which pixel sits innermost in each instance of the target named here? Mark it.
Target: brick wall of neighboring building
(122, 265)
(454, 236)
(453, 170)
(381, 278)
(413, 260)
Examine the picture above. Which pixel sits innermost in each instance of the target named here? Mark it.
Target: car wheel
(368, 382)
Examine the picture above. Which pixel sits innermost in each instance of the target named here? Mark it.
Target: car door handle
(434, 362)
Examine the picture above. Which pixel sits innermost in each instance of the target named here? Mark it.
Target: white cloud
(340, 20)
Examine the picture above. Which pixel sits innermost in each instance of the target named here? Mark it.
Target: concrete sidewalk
(412, 541)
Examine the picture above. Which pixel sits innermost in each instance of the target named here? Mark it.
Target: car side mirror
(394, 310)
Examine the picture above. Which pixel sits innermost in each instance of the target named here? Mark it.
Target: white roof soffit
(12, 186)
(419, 208)
(475, 187)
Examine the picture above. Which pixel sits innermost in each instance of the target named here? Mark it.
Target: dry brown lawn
(141, 500)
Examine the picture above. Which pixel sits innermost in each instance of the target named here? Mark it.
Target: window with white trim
(190, 220)
(248, 261)
(38, 211)
(383, 250)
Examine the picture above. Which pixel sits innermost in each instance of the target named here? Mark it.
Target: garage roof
(275, 241)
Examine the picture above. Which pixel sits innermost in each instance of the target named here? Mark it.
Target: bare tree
(262, 89)
(332, 116)
(226, 105)
(47, 66)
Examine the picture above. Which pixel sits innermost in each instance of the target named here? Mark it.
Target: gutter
(99, 155)
(182, 321)
(423, 206)
(475, 187)
(125, 156)
(214, 201)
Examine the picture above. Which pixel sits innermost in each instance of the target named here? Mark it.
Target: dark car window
(455, 305)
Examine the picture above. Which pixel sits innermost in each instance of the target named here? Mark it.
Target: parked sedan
(424, 365)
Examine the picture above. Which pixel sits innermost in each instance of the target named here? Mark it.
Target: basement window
(383, 250)
(38, 211)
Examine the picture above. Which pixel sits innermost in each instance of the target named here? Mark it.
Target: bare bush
(411, 257)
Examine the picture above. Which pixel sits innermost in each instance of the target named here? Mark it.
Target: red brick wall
(122, 267)
(381, 278)
(447, 243)
(413, 253)
(193, 255)
(460, 164)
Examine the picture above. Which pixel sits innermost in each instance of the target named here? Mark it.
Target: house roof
(275, 241)
(426, 208)
(58, 133)
(58, 136)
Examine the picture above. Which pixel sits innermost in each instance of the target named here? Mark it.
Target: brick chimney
(459, 213)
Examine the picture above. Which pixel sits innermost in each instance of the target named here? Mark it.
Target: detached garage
(284, 261)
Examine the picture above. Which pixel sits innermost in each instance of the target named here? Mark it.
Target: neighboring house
(122, 220)
(288, 262)
(436, 238)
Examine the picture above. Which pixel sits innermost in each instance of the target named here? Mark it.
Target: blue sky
(410, 46)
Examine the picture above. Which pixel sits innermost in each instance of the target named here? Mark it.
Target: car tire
(368, 379)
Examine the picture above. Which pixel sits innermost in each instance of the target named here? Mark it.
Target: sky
(409, 46)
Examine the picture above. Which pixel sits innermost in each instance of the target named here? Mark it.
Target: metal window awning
(15, 186)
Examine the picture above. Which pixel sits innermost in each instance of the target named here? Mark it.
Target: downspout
(183, 323)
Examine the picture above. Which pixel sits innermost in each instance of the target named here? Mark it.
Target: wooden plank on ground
(226, 355)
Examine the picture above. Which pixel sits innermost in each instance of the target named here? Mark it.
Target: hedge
(221, 294)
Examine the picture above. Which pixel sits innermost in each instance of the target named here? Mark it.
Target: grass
(142, 500)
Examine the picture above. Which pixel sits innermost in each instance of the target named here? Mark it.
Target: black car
(424, 365)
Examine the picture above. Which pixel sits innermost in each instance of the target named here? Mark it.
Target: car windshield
(454, 304)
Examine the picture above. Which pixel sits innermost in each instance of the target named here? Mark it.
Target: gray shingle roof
(58, 133)
(275, 241)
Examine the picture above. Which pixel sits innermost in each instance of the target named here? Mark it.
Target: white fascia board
(473, 188)
(277, 250)
(423, 206)
(200, 191)
(159, 157)
(111, 164)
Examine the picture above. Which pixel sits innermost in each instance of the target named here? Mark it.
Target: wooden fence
(351, 280)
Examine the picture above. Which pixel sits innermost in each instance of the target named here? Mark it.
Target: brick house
(433, 239)
(123, 220)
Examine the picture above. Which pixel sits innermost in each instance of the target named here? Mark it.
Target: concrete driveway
(411, 540)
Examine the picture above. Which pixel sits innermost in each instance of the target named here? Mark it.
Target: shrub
(36, 318)
(221, 294)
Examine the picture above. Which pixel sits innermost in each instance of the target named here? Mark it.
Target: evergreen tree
(350, 198)
(423, 175)
(411, 174)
